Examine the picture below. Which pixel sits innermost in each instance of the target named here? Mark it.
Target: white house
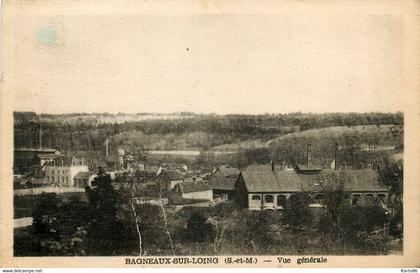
(63, 169)
(190, 191)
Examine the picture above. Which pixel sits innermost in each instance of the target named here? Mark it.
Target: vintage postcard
(210, 133)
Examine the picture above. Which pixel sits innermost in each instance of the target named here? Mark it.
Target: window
(381, 199)
(52, 171)
(256, 197)
(268, 199)
(354, 199)
(369, 199)
(281, 200)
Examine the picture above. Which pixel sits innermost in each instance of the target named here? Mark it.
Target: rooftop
(291, 181)
(172, 175)
(227, 170)
(187, 187)
(302, 167)
(82, 175)
(217, 182)
(66, 161)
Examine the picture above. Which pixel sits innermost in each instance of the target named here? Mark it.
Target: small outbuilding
(190, 192)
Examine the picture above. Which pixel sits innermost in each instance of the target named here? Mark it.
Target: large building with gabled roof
(190, 191)
(63, 169)
(270, 189)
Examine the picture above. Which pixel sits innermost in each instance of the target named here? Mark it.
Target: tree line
(85, 132)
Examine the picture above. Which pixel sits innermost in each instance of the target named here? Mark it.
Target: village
(255, 187)
(325, 190)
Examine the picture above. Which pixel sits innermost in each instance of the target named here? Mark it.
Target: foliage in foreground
(106, 226)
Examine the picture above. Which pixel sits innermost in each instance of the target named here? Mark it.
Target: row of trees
(88, 134)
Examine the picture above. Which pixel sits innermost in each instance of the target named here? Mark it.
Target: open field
(338, 132)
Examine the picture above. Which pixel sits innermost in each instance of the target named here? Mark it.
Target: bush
(198, 230)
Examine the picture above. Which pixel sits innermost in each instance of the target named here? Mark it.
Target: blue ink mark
(47, 35)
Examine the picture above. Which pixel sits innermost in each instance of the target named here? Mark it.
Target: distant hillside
(376, 134)
(182, 131)
(357, 145)
(137, 140)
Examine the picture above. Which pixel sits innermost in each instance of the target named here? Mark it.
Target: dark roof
(217, 182)
(269, 181)
(82, 175)
(290, 181)
(352, 180)
(361, 180)
(302, 167)
(172, 175)
(187, 187)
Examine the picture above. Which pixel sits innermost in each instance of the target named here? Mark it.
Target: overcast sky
(209, 63)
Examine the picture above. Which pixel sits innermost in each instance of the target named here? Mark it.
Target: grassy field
(336, 132)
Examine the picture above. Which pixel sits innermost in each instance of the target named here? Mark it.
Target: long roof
(272, 181)
(302, 167)
(290, 181)
(173, 175)
(217, 182)
(196, 186)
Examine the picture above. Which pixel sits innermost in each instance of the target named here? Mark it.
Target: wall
(34, 191)
(64, 175)
(241, 193)
(204, 195)
(262, 205)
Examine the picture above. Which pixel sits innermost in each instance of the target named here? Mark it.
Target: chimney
(308, 154)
